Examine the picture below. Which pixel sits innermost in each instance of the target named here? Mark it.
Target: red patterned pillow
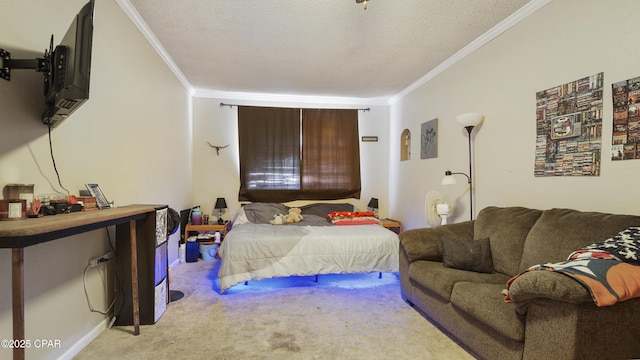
(352, 218)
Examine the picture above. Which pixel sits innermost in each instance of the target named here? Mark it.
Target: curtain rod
(232, 105)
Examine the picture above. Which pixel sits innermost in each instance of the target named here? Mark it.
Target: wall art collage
(625, 142)
(569, 128)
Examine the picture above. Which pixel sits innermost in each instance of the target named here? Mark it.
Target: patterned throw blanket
(609, 269)
(352, 218)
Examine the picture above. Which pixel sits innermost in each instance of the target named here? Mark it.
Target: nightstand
(204, 228)
(393, 225)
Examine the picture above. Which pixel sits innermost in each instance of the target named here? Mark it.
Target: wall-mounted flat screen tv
(66, 83)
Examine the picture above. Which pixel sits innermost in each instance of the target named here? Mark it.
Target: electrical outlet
(100, 259)
(94, 261)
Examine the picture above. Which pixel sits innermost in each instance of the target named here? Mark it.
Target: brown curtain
(272, 168)
(330, 154)
(269, 140)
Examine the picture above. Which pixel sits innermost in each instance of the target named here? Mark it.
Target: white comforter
(258, 251)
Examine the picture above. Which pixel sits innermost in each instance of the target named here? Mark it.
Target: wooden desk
(18, 234)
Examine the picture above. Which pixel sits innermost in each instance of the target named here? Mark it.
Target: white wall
(218, 176)
(561, 42)
(133, 137)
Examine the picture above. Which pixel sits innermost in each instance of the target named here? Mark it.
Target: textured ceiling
(329, 48)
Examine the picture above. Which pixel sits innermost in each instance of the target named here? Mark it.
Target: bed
(254, 249)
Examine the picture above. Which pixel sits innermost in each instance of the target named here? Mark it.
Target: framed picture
(429, 139)
(96, 192)
(405, 145)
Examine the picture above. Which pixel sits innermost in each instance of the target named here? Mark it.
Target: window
(291, 154)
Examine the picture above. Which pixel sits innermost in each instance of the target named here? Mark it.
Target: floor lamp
(468, 121)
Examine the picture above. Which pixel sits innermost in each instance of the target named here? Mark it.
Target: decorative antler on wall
(361, 1)
(217, 148)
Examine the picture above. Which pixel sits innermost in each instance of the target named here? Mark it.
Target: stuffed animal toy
(278, 219)
(294, 216)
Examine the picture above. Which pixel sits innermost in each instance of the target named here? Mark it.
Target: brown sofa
(551, 316)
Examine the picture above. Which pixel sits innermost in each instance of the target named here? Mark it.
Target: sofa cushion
(559, 232)
(507, 229)
(424, 244)
(484, 302)
(472, 255)
(439, 280)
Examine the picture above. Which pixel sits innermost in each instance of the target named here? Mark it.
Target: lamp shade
(448, 179)
(373, 203)
(469, 119)
(220, 203)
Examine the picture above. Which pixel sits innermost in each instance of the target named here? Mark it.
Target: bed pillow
(353, 218)
(261, 213)
(369, 220)
(472, 255)
(313, 220)
(240, 218)
(322, 209)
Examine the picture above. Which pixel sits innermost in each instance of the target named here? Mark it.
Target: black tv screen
(66, 84)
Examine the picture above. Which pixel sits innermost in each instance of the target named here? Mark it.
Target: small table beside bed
(255, 249)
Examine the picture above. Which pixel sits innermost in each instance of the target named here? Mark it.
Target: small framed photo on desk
(96, 192)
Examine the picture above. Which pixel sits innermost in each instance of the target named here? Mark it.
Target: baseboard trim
(85, 340)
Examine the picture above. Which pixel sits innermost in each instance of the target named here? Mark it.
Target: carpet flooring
(338, 317)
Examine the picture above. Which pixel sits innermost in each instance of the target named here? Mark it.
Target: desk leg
(17, 288)
(134, 278)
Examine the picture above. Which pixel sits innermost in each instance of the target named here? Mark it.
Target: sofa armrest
(561, 330)
(424, 243)
(536, 284)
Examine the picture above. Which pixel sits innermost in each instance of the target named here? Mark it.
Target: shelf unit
(204, 228)
(153, 265)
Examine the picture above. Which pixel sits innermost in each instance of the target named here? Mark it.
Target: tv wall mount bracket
(38, 64)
